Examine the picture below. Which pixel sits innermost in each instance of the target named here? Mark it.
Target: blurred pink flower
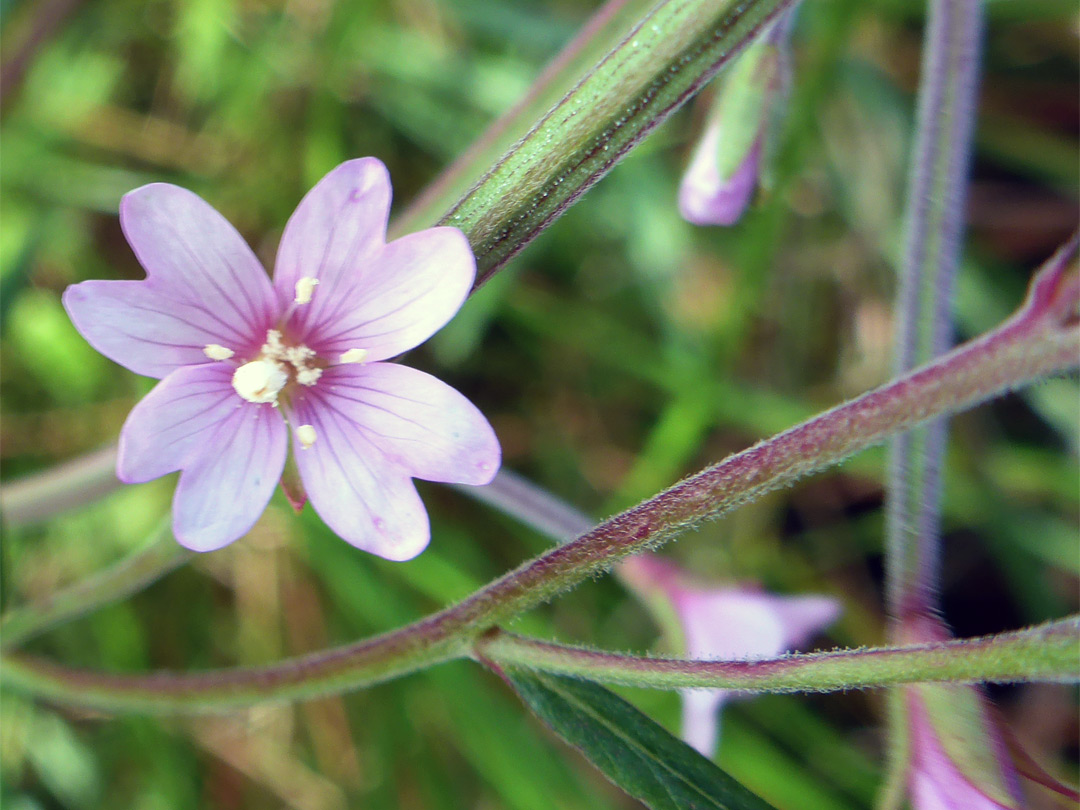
(726, 165)
(934, 780)
(706, 197)
(955, 749)
(729, 623)
(242, 359)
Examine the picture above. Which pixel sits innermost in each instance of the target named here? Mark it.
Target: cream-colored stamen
(304, 288)
(217, 352)
(306, 435)
(260, 380)
(354, 356)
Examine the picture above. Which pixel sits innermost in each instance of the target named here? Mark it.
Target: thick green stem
(661, 63)
(1048, 652)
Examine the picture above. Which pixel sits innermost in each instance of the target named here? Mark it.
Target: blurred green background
(621, 351)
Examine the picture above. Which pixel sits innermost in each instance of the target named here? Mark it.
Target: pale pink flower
(242, 360)
(934, 780)
(956, 754)
(724, 623)
(708, 197)
(725, 168)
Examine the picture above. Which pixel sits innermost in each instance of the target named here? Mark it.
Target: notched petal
(193, 256)
(330, 238)
(221, 495)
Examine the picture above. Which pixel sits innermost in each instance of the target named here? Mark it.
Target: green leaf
(634, 752)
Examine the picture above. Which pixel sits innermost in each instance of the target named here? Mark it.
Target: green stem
(661, 63)
(1047, 652)
(1043, 338)
(154, 560)
(603, 32)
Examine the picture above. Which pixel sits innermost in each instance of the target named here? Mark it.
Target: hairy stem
(663, 61)
(1043, 338)
(934, 226)
(1047, 652)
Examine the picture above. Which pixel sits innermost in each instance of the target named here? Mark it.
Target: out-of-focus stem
(534, 506)
(160, 555)
(934, 225)
(934, 221)
(65, 486)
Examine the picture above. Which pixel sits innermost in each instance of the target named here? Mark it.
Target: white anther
(354, 356)
(217, 352)
(304, 288)
(273, 345)
(260, 380)
(306, 435)
(307, 375)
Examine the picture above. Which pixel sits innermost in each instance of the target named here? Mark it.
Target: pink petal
(410, 291)
(700, 718)
(935, 781)
(365, 500)
(418, 423)
(171, 426)
(204, 285)
(735, 624)
(729, 623)
(333, 235)
(706, 198)
(221, 496)
(231, 452)
(803, 617)
(150, 330)
(376, 426)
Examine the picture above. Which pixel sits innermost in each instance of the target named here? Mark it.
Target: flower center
(262, 379)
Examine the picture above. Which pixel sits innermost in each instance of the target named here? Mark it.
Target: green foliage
(622, 351)
(633, 751)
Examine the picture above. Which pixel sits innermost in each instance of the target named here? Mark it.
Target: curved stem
(154, 560)
(1047, 652)
(65, 486)
(1041, 339)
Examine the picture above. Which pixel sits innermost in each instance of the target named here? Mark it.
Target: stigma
(260, 380)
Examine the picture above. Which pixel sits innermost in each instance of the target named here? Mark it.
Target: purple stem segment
(933, 241)
(1042, 338)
